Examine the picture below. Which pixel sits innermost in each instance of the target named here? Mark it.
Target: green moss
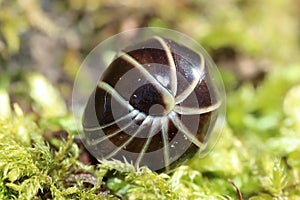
(262, 161)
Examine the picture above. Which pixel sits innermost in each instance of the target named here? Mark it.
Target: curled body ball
(155, 106)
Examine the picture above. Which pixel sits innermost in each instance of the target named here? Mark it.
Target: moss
(263, 162)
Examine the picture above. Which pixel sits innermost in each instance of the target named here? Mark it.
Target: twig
(240, 197)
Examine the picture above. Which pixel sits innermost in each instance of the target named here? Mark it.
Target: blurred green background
(245, 37)
(255, 44)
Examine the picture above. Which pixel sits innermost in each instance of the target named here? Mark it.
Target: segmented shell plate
(154, 106)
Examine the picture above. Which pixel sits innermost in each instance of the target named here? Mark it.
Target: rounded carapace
(155, 105)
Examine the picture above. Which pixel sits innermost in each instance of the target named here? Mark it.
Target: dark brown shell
(154, 106)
